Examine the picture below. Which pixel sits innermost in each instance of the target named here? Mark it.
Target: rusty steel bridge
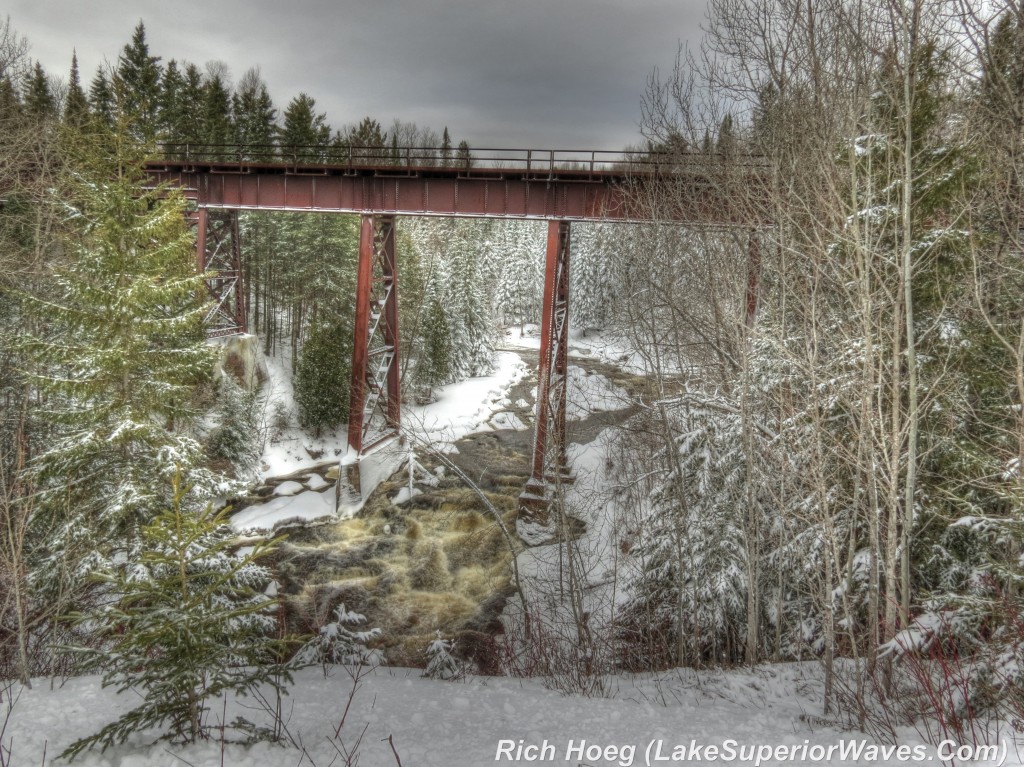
(381, 183)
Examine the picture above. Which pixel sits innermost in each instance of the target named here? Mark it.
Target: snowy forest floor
(464, 723)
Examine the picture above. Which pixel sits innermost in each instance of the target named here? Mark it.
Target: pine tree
(236, 437)
(434, 366)
(170, 112)
(137, 87)
(440, 662)
(322, 378)
(188, 624)
(190, 126)
(367, 142)
(101, 98)
(305, 133)
(592, 280)
(217, 123)
(38, 100)
(521, 280)
(76, 107)
(463, 157)
(10, 100)
(337, 643)
(255, 115)
(122, 354)
(446, 147)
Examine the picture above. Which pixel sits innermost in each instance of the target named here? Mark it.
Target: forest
(823, 462)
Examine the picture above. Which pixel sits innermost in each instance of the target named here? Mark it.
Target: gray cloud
(540, 73)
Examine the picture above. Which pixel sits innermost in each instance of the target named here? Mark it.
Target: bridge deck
(540, 184)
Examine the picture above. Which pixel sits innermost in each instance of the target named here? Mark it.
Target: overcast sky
(558, 74)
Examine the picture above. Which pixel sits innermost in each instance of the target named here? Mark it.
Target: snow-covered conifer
(120, 354)
(339, 642)
(441, 664)
(187, 623)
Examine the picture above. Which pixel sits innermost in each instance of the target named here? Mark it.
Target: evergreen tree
(440, 662)
(255, 115)
(521, 281)
(123, 353)
(10, 101)
(217, 124)
(322, 378)
(236, 437)
(171, 115)
(592, 281)
(137, 87)
(446, 147)
(367, 141)
(434, 366)
(337, 643)
(305, 133)
(38, 100)
(463, 157)
(101, 98)
(188, 624)
(76, 106)
(193, 92)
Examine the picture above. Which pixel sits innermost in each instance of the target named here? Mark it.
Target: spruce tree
(434, 366)
(337, 643)
(76, 107)
(38, 101)
(322, 378)
(119, 359)
(255, 115)
(463, 157)
(440, 662)
(305, 133)
(10, 101)
(217, 123)
(188, 624)
(137, 87)
(446, 147)
(101, 98)
(170, 112)
(190, 127)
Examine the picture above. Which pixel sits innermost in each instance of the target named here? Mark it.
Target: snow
(316, 482)
(305, 508)
(592, 393)
(505, 420)
(467, 723)
(404, 495)
(601, 345)
(288, 488)
(291, 448)
(465, 407)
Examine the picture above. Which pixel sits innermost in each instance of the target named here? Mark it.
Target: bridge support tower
(375, 396)
(550, 466)
(219, 256)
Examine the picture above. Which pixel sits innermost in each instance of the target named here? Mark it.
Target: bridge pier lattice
(375, 399)
(550, 466)
(219, 255)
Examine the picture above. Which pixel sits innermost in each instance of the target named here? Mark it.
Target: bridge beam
(550, 466)
(219, 256)
(375, 396)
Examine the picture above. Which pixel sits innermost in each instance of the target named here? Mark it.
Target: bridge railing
(539, 161)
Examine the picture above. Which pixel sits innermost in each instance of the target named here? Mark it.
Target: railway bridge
(382, 183)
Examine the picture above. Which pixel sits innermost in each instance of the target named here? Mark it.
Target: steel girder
(219, 257)
(375, 397)
(550, 466)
